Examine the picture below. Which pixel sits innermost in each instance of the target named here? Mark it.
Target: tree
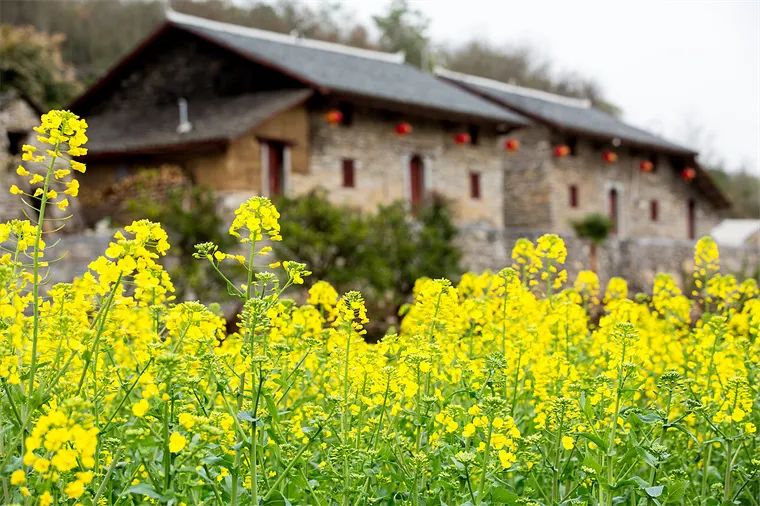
(743, 190)
(594, 228)
(404, 29)
(31, 64)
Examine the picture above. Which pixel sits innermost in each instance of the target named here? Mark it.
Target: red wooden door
(613, 204)
(416, 180)
(276, 168)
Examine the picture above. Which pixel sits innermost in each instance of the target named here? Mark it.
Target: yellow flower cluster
(255, 218)
(508, 387)
(58, 446)
(64, 132)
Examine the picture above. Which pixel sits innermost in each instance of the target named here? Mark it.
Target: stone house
(17, 118)
(246, 111)
(249, 112)
(576, 160)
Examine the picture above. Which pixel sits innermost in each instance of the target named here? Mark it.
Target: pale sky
(687, 69)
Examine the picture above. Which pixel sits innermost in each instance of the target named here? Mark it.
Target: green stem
(167, 455)
(36, 272)
(101, 326)
(557, 459)
(660, 439)
(486, 458)
(613, 431)
(344, 421)
(253, 456)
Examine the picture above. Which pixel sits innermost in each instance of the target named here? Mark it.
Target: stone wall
(537, 190)
(636, 190)
(382, 159)
(527, 176)
(76, 251)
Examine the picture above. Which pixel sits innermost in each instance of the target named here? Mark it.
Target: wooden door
(416, 181)
(691, 218)
(276, 168)
(613, 210)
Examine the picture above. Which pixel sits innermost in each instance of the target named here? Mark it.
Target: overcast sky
(687, 69)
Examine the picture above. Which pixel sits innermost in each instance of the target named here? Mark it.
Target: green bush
(190, 217)
(381, 253)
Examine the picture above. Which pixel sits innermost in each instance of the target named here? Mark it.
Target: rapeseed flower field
(514, 387)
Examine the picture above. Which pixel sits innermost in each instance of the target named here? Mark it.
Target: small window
(349, 173)
(654, 210)
(474, 131)
(573, 194)
(475, 185)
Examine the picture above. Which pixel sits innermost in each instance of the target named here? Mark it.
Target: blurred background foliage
(381, 253)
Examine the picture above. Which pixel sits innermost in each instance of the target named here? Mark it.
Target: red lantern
(462, 138)
(646, 166)
(403, 128)
(512, 145)
(688, 174)
(333, 117)
(609, 156)
(561, 151)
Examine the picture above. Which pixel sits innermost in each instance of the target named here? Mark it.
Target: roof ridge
(581, 103)
(188, 19)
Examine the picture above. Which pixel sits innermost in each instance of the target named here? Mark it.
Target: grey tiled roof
(341, 69)
(215, 120)
(562, 112)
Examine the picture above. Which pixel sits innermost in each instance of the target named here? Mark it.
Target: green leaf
(590, 461)
(245, 416)
(277, 499)
(144, 489)
(686, 431)
(595, 439)
(648, 457)
(501, 495)
(655, 491)
(676, 490)
(272, 407)
(648, 417)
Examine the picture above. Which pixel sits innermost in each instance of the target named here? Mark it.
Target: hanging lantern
(561, 151)
(403, 128)
(609, 156)
(688, 174)
(462, 138)
(646, 166)
(333, 117)
(512, 145)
